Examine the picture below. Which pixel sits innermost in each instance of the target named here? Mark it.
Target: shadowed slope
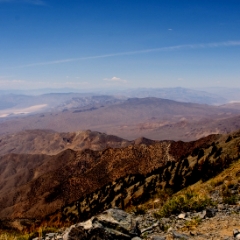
(54, 181)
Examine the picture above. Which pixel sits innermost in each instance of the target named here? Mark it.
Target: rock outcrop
(113, 224)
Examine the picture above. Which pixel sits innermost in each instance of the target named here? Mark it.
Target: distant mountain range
(56, 97)
(177, 94)
(53, 101)
(130, 119)
(153, 118)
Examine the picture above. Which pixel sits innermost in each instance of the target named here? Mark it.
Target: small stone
(202, 214)
(179, 235)
(182, 215)
(210, 212)
(193, 233)
(136, 238)
(165, 220)
(221, 207)
(235, 232)
(238, 236)
(157, 237)
(50, 235)
(188, 214)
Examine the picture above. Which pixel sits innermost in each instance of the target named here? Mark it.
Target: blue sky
(93, 44)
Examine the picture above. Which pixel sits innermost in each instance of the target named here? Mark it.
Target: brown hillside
(50, 182)
(51, 143)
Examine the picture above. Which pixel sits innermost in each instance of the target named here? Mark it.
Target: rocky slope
(73, 185)
(114, 224)
(217, 218)
(186, 164)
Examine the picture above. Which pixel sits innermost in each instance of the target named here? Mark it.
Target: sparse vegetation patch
(184, 202)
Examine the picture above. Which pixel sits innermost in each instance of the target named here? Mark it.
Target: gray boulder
(113, 224)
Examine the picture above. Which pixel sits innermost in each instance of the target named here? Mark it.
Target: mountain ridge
(42, 141)
(62, 174)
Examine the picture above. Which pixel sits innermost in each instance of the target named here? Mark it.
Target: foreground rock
(218, 223)
(112, 224)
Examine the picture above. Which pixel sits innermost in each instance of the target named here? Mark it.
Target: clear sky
(91, 44)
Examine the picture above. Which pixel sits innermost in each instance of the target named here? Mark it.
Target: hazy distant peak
(143, 140)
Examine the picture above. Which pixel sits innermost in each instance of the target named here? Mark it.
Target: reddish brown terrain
(51, 143)
(33, 186)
